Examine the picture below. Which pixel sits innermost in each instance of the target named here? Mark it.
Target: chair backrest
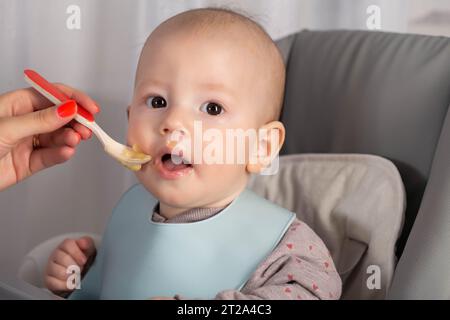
(355, 203)
(377, 93)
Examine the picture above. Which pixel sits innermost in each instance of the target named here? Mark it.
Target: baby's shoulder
(301, 238)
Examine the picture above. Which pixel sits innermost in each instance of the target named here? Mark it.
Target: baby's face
(185, 82)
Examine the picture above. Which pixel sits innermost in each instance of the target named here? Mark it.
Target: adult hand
(35, 135)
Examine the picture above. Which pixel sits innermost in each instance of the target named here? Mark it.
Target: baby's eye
(212, 108)
(156, 102)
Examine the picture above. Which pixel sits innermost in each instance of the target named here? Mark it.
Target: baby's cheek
(152, 182)
(133, 131)
(222, 176)
(141, 137)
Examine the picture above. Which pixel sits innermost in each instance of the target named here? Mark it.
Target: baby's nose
(174, 121)
(176, 132)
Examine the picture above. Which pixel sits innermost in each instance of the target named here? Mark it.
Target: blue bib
(140, 258)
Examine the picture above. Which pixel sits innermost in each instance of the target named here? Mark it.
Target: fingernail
(98, 108)
(67, 109)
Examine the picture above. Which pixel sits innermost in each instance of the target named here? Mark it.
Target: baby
(206, 236)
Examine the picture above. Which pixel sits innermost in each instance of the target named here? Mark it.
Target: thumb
(47, 120)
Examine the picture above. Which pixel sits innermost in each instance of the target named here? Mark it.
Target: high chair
(368, 110)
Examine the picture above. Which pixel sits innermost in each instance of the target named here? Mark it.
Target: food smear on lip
(136, 153)
(171, 144)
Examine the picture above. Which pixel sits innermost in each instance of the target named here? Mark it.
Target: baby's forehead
(229, 37)
(212, 51)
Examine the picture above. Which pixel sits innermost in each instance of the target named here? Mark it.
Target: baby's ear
(270, 140)
(128, 112)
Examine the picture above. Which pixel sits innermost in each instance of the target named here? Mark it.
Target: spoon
(132, 158)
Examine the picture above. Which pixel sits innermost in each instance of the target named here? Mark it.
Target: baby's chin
(193, 190)
(171, 193)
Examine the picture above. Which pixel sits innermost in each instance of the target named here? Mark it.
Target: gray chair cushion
(355, 204)
(424, 269)
(385, 94)
(368, 92)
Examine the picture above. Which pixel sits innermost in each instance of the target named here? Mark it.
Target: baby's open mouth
(172, 162)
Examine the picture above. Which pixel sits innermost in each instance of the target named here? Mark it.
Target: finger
(26, 100)
(13, 129)
(59, 138)
(84, 132)
(54, 284)
(39, 102)
(80, 97)
(47, 157)
(57, 271)
(87, 245)
(22, 101)
(70, 247)
(65, 260)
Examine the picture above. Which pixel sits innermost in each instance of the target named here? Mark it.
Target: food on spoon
(134, 153)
